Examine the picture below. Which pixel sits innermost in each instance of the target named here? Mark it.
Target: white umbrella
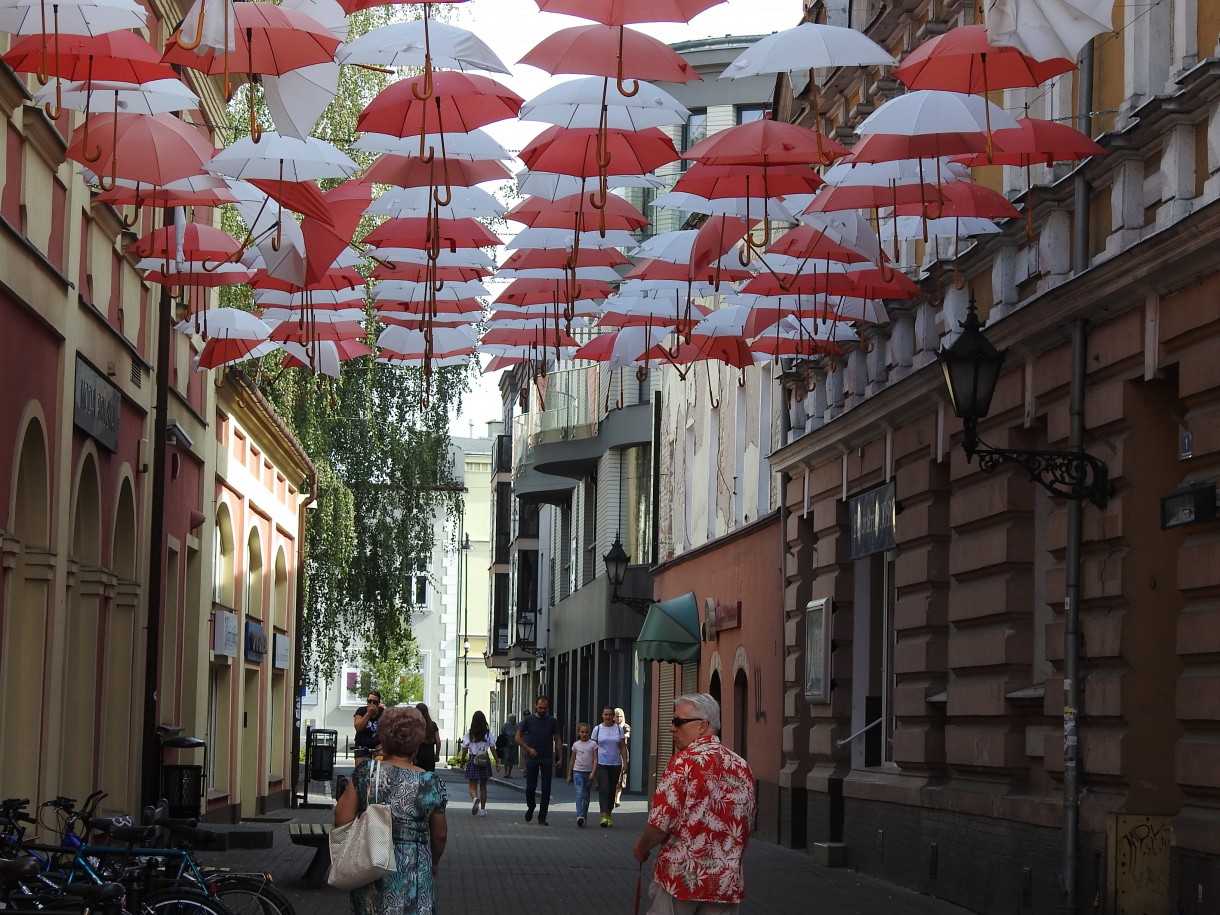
(623, 348)
(944, 227)
(927, 111)
(327, 12)
(278, 157)
(446, 341)
(808, 46)
(473, 144)
(157, 96)
(225, 323)
(71, 17)
(1047, 28)
(439, 362)
(552, 186)
(316, 298)
(401, 44)
(410, 291)
(698, 288)
(604, 274)
(272, 229)
(580, 103)
(542, 237)
(769, 208)
(418, 201)
(296, 99)
(462, 257)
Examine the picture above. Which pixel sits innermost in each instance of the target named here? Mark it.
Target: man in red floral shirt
(701, 816)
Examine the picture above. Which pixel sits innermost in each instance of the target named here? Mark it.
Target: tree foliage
(379, 437)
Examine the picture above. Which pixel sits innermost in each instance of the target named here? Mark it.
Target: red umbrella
(716, 181)
(610, 51)
(409, 171)
(965, 198)
(539, 258)
(1035, 141)
(419, 231)
(267, 39)
(326, 238)
(624, 12)
(963, 60)
(336, 278)
(806, 241)
(418, 273)
(576, 210)
(574, 151)
(199, 242)
(868, 284)
(535, 291)
(158, 148)
(765, 142)
(458, 103)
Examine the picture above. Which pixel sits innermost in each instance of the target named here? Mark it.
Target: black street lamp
(527, 638)
(972, 370)
(616, 562)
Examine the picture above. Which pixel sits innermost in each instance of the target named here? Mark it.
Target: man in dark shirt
(542, 746)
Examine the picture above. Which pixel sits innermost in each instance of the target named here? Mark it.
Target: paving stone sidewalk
(561, 869)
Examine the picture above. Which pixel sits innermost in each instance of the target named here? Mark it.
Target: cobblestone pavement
(561, 869)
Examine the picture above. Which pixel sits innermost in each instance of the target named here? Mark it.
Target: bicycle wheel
(250, 894)
(181, 902)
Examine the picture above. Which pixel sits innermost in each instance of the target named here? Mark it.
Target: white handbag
(362, 851)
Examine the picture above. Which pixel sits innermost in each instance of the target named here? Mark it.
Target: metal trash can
(320, 750)
(183, 789)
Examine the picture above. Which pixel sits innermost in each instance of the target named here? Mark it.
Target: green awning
(671, 631)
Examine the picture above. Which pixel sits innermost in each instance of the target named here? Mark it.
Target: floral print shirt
(705, 801)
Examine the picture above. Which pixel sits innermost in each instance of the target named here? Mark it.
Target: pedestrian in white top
(582, 764)
(611, 747)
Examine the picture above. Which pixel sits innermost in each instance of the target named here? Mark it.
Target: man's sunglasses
(678, 722)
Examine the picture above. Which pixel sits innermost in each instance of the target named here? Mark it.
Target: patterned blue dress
(413, 797)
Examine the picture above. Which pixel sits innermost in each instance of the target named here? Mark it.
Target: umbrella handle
(176, 38)
(622, 86)
(135, 216)
(428, 87)
(712, 399)
(256, 129)
(277, 240)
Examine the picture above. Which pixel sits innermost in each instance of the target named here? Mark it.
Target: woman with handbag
(417, 802)
(477, 759)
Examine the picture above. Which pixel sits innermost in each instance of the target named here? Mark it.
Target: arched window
(254, 575)
(222, 565)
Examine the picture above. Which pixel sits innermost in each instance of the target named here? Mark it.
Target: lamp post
(463, 573)
(616, 562)
(972, 369)
(527, 637)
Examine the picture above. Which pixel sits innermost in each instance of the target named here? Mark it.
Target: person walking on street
(476, 760)
(430, 748)
(701, 817)
(539, 739)
(611, 750)
(366, 720)
(506, 746)
(417, 802)
(582, 767)
(620, 718)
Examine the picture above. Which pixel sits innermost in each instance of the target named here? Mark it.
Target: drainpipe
(1072, 641)
(298, 623)
(150, 759)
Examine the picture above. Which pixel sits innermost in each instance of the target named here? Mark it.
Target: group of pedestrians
(700, 816)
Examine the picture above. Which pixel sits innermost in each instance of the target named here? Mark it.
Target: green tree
(379, 437)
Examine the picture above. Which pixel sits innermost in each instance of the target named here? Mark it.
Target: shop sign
(279, 660)
(256, 642)
(872, 521)
(722, 616)
(95, 409)
(224, 633)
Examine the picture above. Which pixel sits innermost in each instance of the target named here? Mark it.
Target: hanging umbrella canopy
(576, 151)
(267, 38)
(459, 102)
(713, 181)
(535, 291)
(808, 46)
(596, 101)
(1036, 141)
(157, 96)
(671, 631)
(157, 148)
(1048, 28)
(276, 157)
(560, 237)
(121, 56)
(70, 17)
(196, 190)
(807, 241)
(765, 142)
(568, 212)
(411, 171)
(621, 12)
(622, 348)
(195, 242)
(552, 186)
(612, 51)
(418, 201)
(324, 357)
(475, 145)
(418, 232)
(296, 99)
(404, 44)
(964, 60)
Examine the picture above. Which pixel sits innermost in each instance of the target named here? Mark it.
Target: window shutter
(665, 704)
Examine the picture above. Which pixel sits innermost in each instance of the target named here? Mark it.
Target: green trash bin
(183, 789)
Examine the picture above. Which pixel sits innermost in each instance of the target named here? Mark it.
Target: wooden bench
(316, 836)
